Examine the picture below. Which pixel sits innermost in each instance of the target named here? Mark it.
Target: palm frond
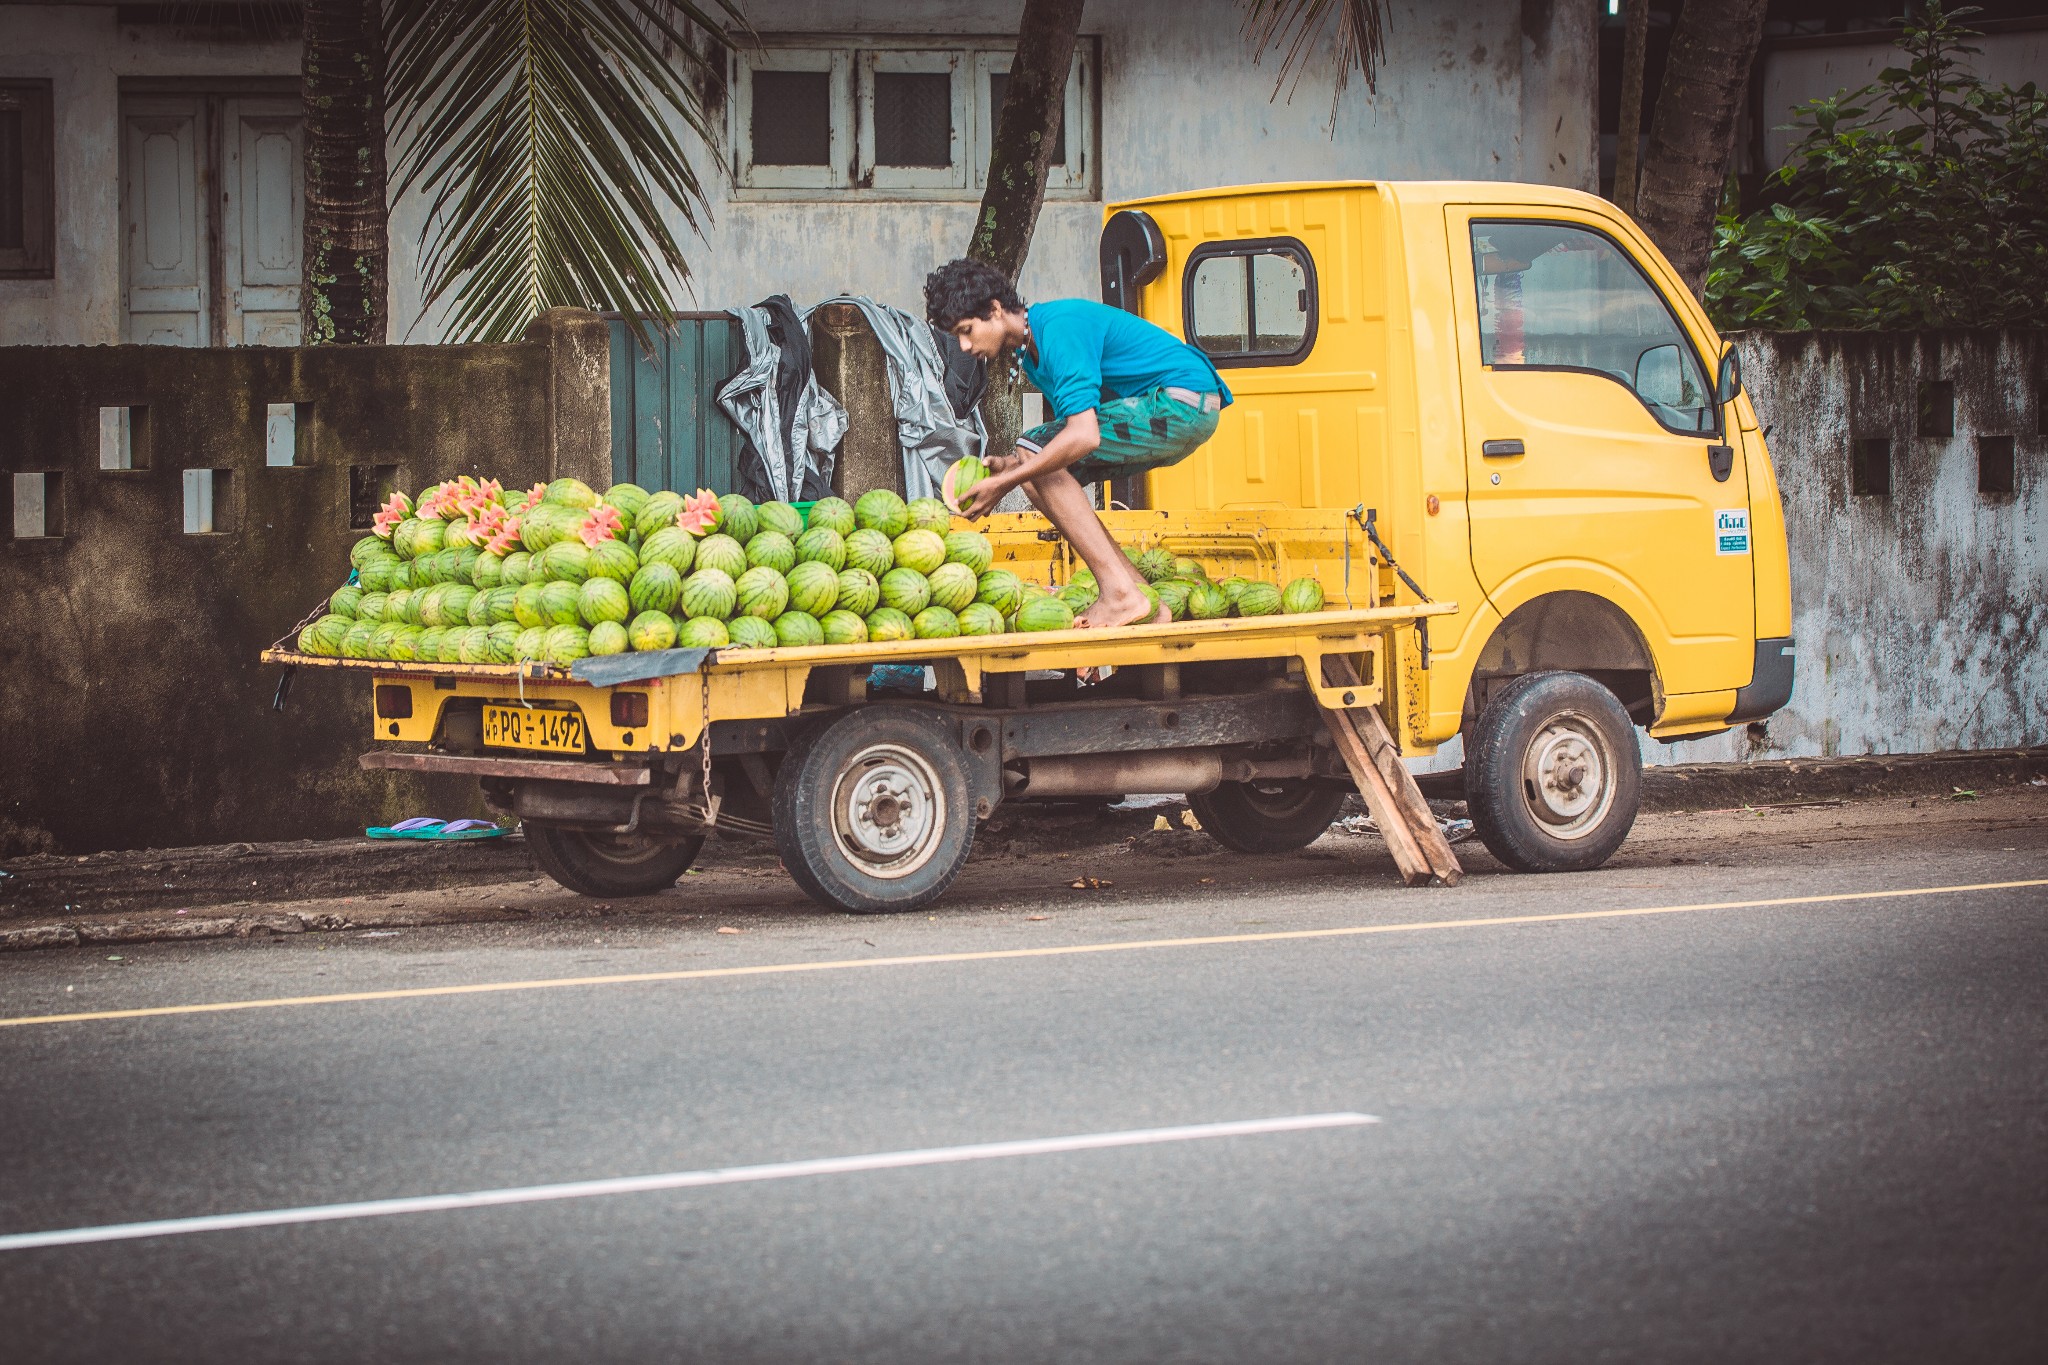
(544, 132)
(1297, 26)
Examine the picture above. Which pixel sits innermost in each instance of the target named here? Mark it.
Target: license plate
(516, 727)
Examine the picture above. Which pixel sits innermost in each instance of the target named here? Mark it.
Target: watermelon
(936, 623)
(707, 592)
(566, 644)
(453, 605)
(566, 561)
(547, 525)
(322, 638)
(405, 645)
(629, 498)
(762, 592)
(907, 590)
(370, 606)
(813, 588)
(795, 629)
(1000, 589)
(479, 613)
(1175, 594)
(1258, 599)
(860, 592)
(780, 516)
(971, 548)
(1155, 565)
(1301, 596)
(603, 599)
(499, 605)
(462, 533)
(919, 549)
(398, 605)
(720, 551)
(657, 514)
(614, 559)
(344, 601)
(742, 521)
(1045, 613)
(979, 618)
(1086, 578)
(771, 549)
(531, 644)
(881, 510)
(929, 514)
(1183, 567)
(1233, 588)
(953, 586)
(473, 646)
(558, 604)
(402, 535)
(430, 537)
(1153, 603)
(822, 545)
(527, 609)
(651, 630)
(832, 514)
(367, 549)
(488, 571)
(703, 632)
(381, 639)
(376, 575)
(427, 649)
(887, 623)
(571, 493)
(871, 550)
(450, 651)
(670, 546)
(1076, 597)
(960, 479)
(751, 632)
(607, 637)
(843, 627)
(503, 637)
(655, 588)
(1207, 603)
(701, 514)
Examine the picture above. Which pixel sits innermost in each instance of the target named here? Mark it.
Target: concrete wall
(137, 713)
(1919, 615)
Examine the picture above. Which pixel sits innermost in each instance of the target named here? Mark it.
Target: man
(1126, 396)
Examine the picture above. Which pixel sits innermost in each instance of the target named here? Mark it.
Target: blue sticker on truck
(1731, 531)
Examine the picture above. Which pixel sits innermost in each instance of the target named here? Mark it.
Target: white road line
(677, 1180)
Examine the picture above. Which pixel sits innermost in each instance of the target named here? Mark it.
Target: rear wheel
(872, 813)
(599, 863)
(1267, 815)
(1552, 773)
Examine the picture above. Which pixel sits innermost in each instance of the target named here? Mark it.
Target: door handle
(1494, 450)
(1721, 461)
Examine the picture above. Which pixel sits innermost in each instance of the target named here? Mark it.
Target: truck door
(1596, 458)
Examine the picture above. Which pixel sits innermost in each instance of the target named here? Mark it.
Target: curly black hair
(966, 289)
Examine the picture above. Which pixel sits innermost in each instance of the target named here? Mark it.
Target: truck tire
(593, 863)
(1271, 815)
(872, 813)
(1552, 773)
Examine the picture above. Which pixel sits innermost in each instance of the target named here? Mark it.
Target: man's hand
(983, 497)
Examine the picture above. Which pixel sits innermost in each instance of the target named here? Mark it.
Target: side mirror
(1660, 376)
(1729, 382)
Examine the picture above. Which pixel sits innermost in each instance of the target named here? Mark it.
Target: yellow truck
(1487, 417)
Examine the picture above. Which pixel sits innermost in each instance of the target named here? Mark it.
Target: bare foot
(1123, 609)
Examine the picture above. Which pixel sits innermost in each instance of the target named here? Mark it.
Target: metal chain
(704, 735)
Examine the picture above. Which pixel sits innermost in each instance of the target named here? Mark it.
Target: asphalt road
(1813, 1131)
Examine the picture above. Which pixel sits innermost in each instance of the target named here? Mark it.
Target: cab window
(1557, 297)
(1251, 303)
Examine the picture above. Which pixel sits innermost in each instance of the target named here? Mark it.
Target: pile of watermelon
(471, 574)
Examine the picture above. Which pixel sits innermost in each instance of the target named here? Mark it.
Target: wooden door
(165, 242)
(262, 215)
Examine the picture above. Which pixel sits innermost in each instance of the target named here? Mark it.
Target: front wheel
(872, 813)
(605, 864)
(1552, 773)
(1270, 815)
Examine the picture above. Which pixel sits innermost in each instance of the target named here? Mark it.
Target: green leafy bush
(1920, 200)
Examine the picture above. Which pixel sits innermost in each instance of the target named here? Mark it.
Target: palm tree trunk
(1693, 133)
(1635, 38)
(342, 298)
(1020, 155)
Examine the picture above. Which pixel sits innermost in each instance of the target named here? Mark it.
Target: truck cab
(1511, 386)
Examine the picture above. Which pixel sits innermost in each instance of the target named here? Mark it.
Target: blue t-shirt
(1089, 352)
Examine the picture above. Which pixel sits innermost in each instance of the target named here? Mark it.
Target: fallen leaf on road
(728, 929)
(1035, 918)
(1962, 794)
(1187, 817)
(1091, 883)
(1207, 881)
(1159, 823)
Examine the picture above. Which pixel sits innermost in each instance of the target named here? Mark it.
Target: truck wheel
(872, 813)
(1552, 773)
(603, 864)
(1271, 815)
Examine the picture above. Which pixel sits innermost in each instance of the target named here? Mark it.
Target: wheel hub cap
(888, 811)
(1566, 777)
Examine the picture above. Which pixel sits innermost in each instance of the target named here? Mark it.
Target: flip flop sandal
(405, 829)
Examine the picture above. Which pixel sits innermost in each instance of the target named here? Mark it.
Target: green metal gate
(667, 428)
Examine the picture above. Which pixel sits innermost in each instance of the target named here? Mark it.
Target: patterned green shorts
(1145, 431)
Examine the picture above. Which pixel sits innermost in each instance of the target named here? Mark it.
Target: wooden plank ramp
(1420, 850)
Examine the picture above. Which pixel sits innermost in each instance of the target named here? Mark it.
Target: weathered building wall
(1919, 614)
(138, 714)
